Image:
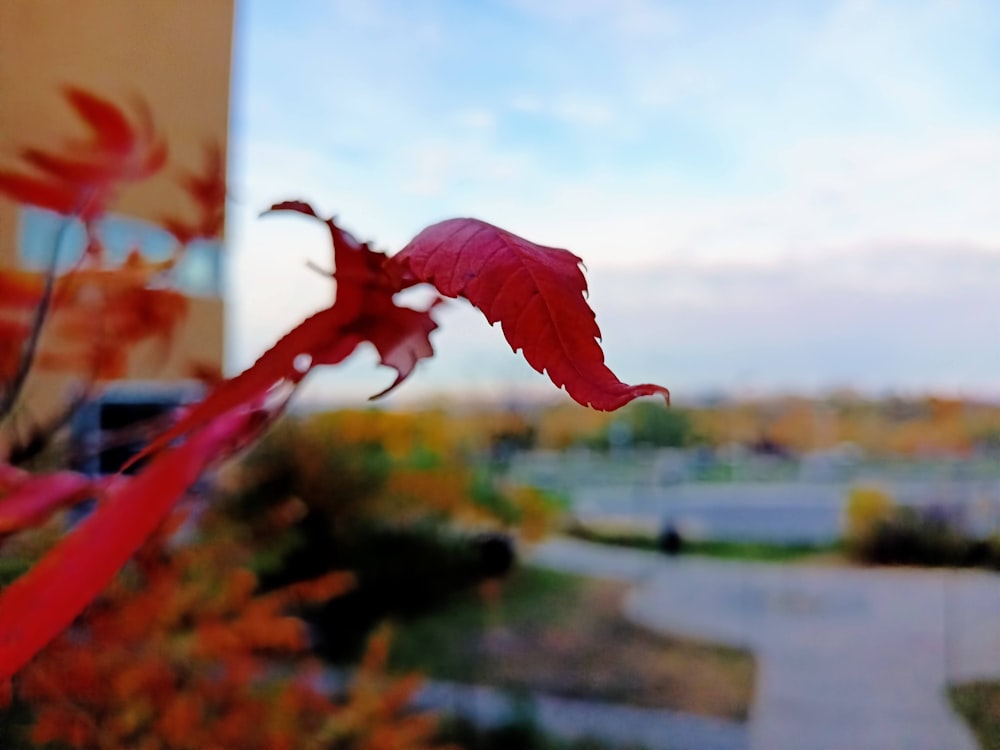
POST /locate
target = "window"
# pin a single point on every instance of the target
(198, 273)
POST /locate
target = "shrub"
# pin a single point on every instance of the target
(910, 537)
(867, 507)
(915, 536)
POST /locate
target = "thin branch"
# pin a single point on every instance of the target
(40, 436)
(13, 389)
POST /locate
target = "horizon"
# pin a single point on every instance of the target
(544, 398)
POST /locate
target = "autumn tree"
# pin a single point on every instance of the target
(97, 310)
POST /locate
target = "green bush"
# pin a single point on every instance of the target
(407, 558)
(646, 424)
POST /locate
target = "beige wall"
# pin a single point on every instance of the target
(175, 55)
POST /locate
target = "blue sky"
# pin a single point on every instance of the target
(768, 196)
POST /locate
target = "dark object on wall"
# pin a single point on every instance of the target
(113, 427)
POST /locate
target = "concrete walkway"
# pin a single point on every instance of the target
(848, 659)
(624, 726)
(568, 719)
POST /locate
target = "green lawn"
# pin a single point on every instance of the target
(749, 551)
(979, 704)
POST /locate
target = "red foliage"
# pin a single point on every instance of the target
(84, 176)
(35, 498)
(183, 652)
(536, 293)
(364, 310)
(207, 190)
(99, 314)
(100, 311)
(365, 296)
(36, 607)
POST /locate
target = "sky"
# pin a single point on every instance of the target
(769, 197)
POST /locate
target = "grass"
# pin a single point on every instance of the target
(979, 704)
(724, 550)
(759, 551)
(564, 635)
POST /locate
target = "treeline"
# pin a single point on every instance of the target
(924, 427)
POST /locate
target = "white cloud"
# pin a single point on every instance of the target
(476, 119)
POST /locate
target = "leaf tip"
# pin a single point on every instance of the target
(651, 389)
(665, 392)
(301, 207)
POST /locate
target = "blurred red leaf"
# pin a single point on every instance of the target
(358, 270)
(276, 366)
(13, 334)
(98, 316)
(40, 604)
(83, 178)
(21, 289)
(11, 476)
(207, 190)
(536, 293)
(36, 191)
(31, 501)
(109, 125)
(365, 293)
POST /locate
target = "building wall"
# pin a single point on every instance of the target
(174, 55)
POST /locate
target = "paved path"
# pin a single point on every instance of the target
(848, 659)
(625, 726)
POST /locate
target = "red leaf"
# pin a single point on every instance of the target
(277, 365)
(364, 311)
(44, 601)
(207, 190)
(535, 292)
(10, 476)
(21, 289)
(402, 338)
(34, 499)
(358, 269)
(365, 294)
(51, 194)
(69, 170)
(109, 124)
(13, 334)
(84, 177)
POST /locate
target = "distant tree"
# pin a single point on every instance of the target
(652, 425)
